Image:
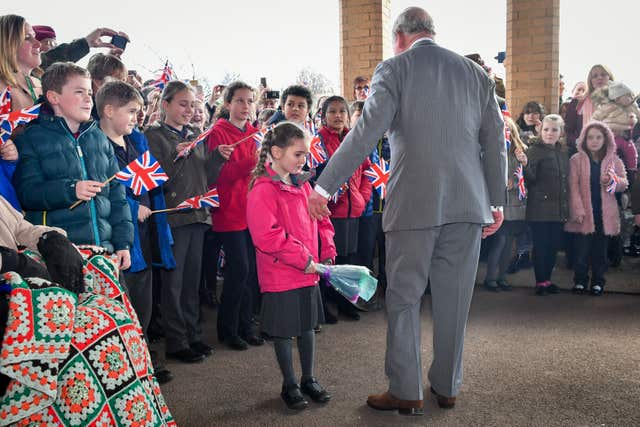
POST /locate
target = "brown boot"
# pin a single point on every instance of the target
(443, 401)
(386, 402)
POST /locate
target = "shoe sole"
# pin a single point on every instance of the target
(415, 412)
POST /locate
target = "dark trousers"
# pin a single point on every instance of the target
(547, 240)
(240, 284)
(501, 248)
(590, 249)
(366, 241)
(210, 254)
(140, 285)
(180, 299)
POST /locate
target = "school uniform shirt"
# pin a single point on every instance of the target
(233, 182)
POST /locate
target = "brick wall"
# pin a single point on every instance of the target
(365, 39)
(532, 53)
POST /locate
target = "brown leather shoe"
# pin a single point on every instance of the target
(386, 402)
(443, 401)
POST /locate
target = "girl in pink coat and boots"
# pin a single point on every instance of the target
(596, 174)
(286, 241)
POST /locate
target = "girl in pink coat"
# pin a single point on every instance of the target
(596, 174)
(287, 239)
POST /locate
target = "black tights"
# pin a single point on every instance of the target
(306, 350)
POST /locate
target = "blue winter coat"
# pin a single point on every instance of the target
(52, 160)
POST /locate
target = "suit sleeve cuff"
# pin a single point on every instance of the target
(322, 191)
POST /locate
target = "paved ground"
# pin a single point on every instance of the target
(529, 361)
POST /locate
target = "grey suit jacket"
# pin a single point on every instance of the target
(446, 133)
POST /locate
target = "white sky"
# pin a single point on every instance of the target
(277, 38)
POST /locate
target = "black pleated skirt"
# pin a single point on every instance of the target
(287, 314)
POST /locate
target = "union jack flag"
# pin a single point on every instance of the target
(317, 155)
(185, 151)
(5, 101)
(611, 187)
(507, 131)
(208, 199)
(310, 126)
(378, 174)
(142, 174)
(167, 75)
(258, 137)
(8, 122)
(343, 189)
(522, 191)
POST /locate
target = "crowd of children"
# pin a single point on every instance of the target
(563, 191)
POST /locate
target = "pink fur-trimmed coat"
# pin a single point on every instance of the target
(580, 189)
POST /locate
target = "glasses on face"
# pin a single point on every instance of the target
(366, 87)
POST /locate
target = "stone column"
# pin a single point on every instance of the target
(365, 39)
(532, 54)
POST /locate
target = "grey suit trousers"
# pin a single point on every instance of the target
(448, 255)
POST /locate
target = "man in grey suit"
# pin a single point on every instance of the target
(448, 162)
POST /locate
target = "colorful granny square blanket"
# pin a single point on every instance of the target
(77, 360)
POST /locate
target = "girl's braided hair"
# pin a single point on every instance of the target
(280, 136)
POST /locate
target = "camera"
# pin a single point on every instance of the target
(272, 94)
(119, 41)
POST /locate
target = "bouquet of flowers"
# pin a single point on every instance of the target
(351, 281)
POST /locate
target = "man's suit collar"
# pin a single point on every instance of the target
(421, 42)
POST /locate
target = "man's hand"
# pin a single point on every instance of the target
(318, 206)
(498, 217)
(636, 219)
(86, 190)
(579, 219)
(9, 152)
(124, 259)
(143, 213)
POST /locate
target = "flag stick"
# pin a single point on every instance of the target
(76, 204)
(166, 210)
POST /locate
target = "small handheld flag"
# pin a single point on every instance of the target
(209, 199)
(378, 174)
(5, 101)
(167, 75)
(9, 121)
(185, 151)
(522, 191)
(611, 187)
(143, 174)
(258, 137)
(343, 189)
(317, 155)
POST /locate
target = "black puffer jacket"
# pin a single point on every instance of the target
(547, 180)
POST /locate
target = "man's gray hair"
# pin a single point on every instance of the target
(414, 20)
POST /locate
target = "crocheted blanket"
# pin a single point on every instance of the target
(77, 360)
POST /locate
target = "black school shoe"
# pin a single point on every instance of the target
(553, 289)
(491, 286)
(236, 343)
(578, 288)
(186, 355)
(293, 397)
(253, 340)
(597, 290)
(504, 285)
(202, 348)
(315, 391)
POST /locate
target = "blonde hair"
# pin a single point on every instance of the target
(605, 69)
(281, 136)
(12, 33)
(558, 120)
(516, 141)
